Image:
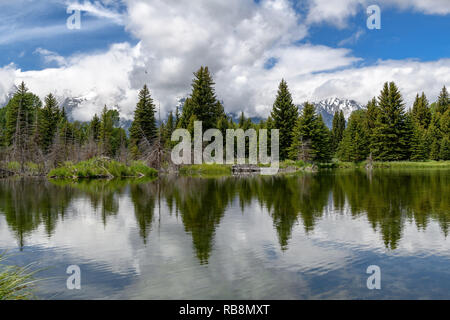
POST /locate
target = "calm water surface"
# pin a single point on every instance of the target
(298, 237)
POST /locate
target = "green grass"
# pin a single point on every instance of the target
(396, 165)
(30, 168)
(299, 164)
(98, 168)
(206, 169)
(212, 170)
(13, 166)
(16, 283)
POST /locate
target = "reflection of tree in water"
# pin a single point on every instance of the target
(27, 204)
(143, 197)
(103, 194)
(201, 204)
(287, 198)
(387, 198)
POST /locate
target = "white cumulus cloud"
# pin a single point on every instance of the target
(236, 39)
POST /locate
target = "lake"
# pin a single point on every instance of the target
(308, 236)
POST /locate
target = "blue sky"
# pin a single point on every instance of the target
(96, 33)
(319, 46)
(403, 35)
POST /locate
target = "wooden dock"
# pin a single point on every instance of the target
(245, 169)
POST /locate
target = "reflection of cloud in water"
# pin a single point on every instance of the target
(305, 237)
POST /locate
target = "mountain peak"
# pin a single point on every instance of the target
(329, 106)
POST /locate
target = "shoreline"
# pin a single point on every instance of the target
(100, 169)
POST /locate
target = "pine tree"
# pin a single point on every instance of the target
(322, 141)
(95, 128)
(284, 115)
(443, 102)
(202, 102)
(445, 149)
(355, 143)
(144, 123)
(337, 131)
(169, 129)
(371, 114)
(419, 145)
(66, 137)
(177, 118)
(445, 131)
(20, 116)
(421, 112)
(310, 137)
(444, 123)
(187, 113)
(434, 136)
(390, 136)
(63, 115)
(21, 125)
(109, 121)
(48, 121)
(3, 126)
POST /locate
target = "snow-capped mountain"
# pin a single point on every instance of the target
(70, 104)
(326, 108)
(329, 106)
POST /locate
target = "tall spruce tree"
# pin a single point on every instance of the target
(48, 121)
(109, 138)
(421, 112)
(169, 129)
(95, 128)
(371, 114)
(202, 102)
(390, 140)
(284, 115)
(434, 136)
(20, 115)
(419, 143)
(337, 131)
(445, 131)
(420, 116)
(322, 141)
(310, 137)
(355, 143)
(144, 122)
(2, 126)
(443, 102)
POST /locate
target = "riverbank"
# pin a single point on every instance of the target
(100, 168)
(287, 166)
(104, 168)
(394, 165)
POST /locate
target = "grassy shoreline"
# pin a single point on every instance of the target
(395, 165)
(206, 170)
(98, 168)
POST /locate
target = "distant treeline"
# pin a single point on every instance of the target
(32, 131)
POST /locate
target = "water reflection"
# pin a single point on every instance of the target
(386, 198)
(304, 236)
